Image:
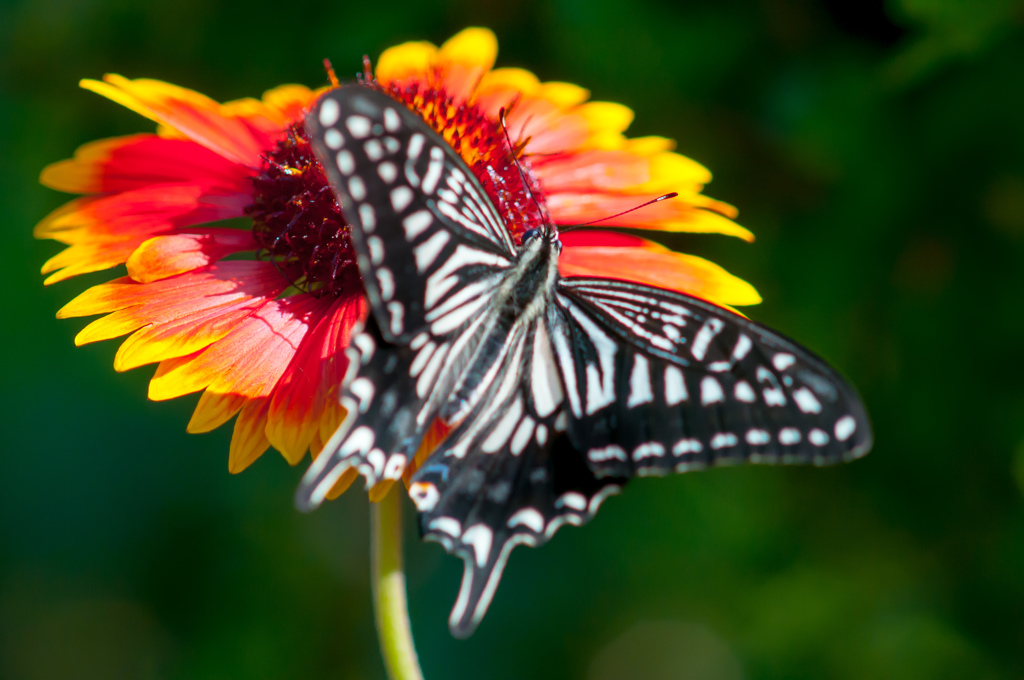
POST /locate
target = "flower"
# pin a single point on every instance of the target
(262, 333)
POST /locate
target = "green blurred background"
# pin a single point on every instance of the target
(877, 153)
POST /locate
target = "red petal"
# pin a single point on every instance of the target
(317, 370)
(137, 161)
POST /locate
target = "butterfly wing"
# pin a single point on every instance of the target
(431, 250)
(506, 476)
(423, 228)
(658, 382)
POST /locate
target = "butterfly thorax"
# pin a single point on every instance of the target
(521, 299)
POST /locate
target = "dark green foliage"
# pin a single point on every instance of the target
(877, 154)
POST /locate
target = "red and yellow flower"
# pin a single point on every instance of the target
(262, 333)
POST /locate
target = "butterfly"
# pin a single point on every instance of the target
(559, 388)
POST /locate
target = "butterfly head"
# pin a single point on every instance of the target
(545, 234)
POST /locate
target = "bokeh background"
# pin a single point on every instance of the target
(877, 153)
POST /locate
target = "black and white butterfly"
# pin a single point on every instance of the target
(468, 327)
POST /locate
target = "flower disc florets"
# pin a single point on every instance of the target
(297, 221)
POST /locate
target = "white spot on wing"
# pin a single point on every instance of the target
(401, 197)
(545, 385)
(845, 427)
(640, 382)
(356, 187)
(724, 440)
(479, 536)
(817, 437)
(705, 335)
(710, 391)
(386, 282)
(789, 436)
(387, 171)
(333, 139)
(358, 126)
(806, 401)
(607, 453)
(744, 392)
(684, 446)
(346, 162)
(783, 360)
(675, 386)
(426, 253)
(529, 518)
(416, 223)
(424, 495)
(572, 500)
(756, 437)
(329, 112)
(648, 450)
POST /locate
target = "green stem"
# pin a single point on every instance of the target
(390, 606)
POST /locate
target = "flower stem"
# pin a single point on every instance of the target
(390, 606)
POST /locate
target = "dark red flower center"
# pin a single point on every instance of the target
(300, 227)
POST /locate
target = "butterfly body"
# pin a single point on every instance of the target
(469, 327)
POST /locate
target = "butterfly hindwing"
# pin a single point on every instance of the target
(506, 477)
(423, 229)
(663, 382)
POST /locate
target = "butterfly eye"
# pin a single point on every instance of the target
(529, 235)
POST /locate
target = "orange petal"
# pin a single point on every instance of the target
(290, 101)
(194, 115)
(318, 368)
(164, 256)
(248, 441)
(137, 161)
(463, 60)
(83, 258)
(660, 268)
(685, 213)
(178, 337)
(213, 410)
(249, 360)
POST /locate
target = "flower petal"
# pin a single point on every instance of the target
(249, 360)
(319, 366)
(620, 171)
(249, 441)
(137, 161)
(408, 60)
(685, 213)
(194, 115)
(660, 268)
(463, 60)
(164, 256)
(213, 410)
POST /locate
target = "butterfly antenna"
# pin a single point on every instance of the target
(331, 75)
(515, 159)
(624, 212)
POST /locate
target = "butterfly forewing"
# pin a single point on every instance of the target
(423, 228)
(665, 382)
